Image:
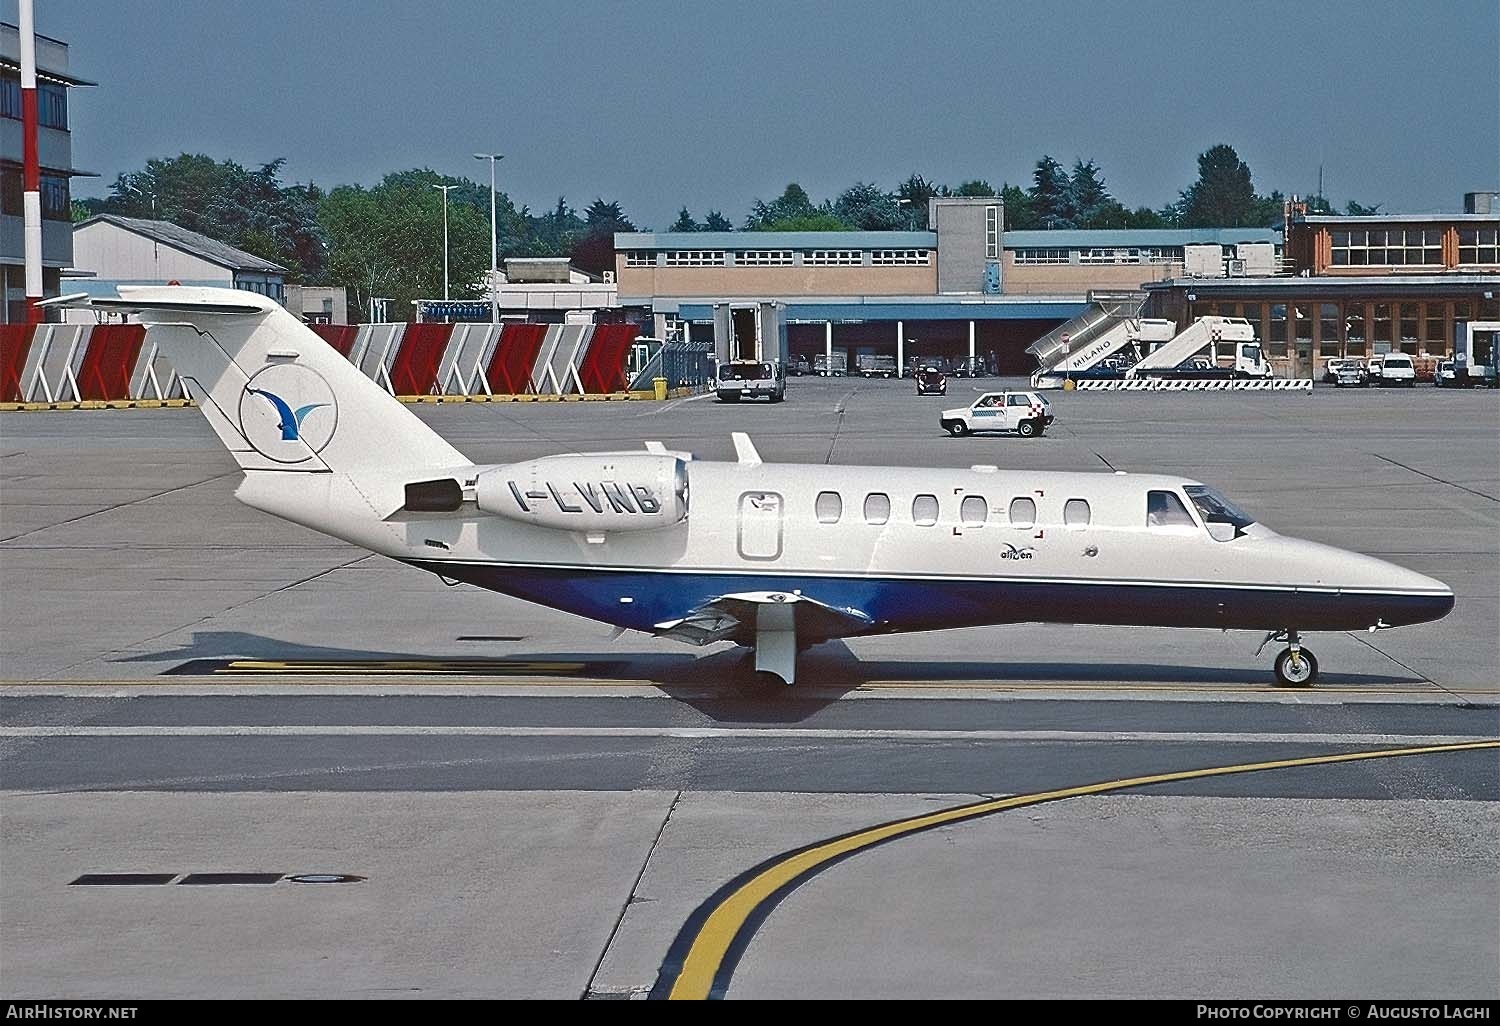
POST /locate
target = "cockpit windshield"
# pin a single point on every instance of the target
(1215, 509)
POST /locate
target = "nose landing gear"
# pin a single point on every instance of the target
(1295, 666)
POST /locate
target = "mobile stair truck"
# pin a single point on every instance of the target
(1474, 356)
(1175, 358)
(750, 345)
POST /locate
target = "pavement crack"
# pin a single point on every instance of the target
(841, 409)
(1431, 477)
(1460, 699)
(117, 505)
(588, 989)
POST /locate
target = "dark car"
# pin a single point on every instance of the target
(972, 367)
(930, 381)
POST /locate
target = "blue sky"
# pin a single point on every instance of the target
(712, 105)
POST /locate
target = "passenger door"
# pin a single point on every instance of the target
(990, 418)
(760, 520)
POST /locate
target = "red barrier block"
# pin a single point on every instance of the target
(112, 352)
(509, 372)
(414, 371)
(15, 343)
(339, 336)
(603, 368)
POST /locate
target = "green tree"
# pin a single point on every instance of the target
(78, 211)
(387, 242)
(793, 203)
(1052, 195)
(867, 207)
(717, 222)
(1354, 209)
(978, 187)
(1093, 206)
(818, 221)
(916, 191)
(1223, 196)
(1020, 210)
(685, 223)
(248, 208)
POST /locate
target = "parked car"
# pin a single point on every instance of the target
(1025, 413)
(1392, 370)
(931, 381)
(1443, 376)
(799, 366)
(1346, 373)
(967, 367)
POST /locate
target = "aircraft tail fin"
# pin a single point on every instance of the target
(277, 395)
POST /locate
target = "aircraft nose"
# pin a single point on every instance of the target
(1415, 597)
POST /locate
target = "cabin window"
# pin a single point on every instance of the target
(924, 510)
(1022, 512)
(973, 511)
(829, 507)
(877, 508)
(1165, 509)
(1076, 513)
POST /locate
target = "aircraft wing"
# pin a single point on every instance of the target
(737, 617)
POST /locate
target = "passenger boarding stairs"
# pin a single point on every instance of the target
(1104, 312)
(1192, 340)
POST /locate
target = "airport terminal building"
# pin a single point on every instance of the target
(1361, 286)
(966, 288)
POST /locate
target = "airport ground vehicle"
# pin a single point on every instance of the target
(1346, 373)
(751, 379)
(1392, 370)
(1475, 346)
(876, 366)
(1025, 413)
(1443, 376)
(970, 367)
(1249, 363)
(799, 366)
(931, 381)
(837, 369)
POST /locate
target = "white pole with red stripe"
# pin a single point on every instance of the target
(32, 168)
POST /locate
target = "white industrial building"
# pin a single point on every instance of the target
(109, 250)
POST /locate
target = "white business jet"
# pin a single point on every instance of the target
(773, 556)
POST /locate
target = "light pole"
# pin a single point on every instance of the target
(494, 238)
(445, 189)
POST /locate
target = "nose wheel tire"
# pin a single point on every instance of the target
(1297, 669)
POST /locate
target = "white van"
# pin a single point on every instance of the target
(1393, 370)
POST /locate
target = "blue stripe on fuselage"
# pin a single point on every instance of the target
(916, 604)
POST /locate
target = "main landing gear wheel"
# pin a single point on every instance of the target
(958, 429)
(1296, 667)
(1026, 429)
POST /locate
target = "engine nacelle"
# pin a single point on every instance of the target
(602, 492)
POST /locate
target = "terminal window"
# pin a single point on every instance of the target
(907, 257)
(1041, 256)
(992, 233)
(1478, 246)
(640, 258)
(764, 257)
(833, 257)
(695, 258)
(1387, 247)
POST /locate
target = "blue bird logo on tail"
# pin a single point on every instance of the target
(291, 420)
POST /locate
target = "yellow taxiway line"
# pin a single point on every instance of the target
(704, 955)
